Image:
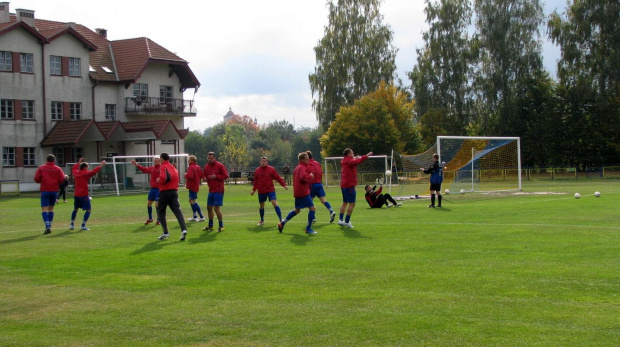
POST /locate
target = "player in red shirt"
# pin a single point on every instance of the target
(316, 186)
(81, 176)
(154, 191)
(301, 191)
(215, 173)
(50, 177)
(168, 180)
(193, 179)
(348, 182)
(264, 175)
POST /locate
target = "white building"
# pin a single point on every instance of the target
(68, 90)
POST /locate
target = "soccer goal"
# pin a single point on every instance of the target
(480, 164)
(127, 178)
(370, 171)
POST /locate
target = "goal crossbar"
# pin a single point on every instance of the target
(117, 160)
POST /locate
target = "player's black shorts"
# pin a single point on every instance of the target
(436, 187)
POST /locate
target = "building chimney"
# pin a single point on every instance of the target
(102, 32)
(4, 12)
(26, 16)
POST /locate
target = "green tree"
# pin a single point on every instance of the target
(196, 144)
(378, 122)
(236, 154)
(589, 78)
(510, 50)
(354, 55)
(441, 78)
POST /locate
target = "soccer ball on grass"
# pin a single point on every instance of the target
(577, 195)
(447, 191)
(597, 194)
(462, 191)
(388, 173)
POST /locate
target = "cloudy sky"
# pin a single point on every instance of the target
(252, 56)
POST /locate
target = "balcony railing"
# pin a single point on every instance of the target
(160, 106)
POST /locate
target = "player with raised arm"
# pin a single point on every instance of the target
(50, 176)
(153, 196)
(376, 200)
(264, 175)
(81, 176)
(316, 186)
(301, 191)
(193, 179)
(348, 182)
(215, 173)
(436, 172)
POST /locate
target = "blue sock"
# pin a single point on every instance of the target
(310, 219)
(73, 214)
(341, 216)
(329, 207)
(150, 209)
(193, 210)
(348, 219)
(221, 223)
(261, 212)
(198, 210)
(45, 216)
(86, 216)
(210, 223)
(50, 217)
(279, 212)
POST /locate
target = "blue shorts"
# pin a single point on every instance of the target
(304, 202)
(48, 198)
(317, 190)
(153, 194)
(268, 196)
(82, 202)
(193, 195)
(215, 199)
(348, 195)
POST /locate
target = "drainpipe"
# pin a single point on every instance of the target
(43, 76)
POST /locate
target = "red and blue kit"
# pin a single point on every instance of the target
(193, 177)
(263, 179)
(349, 171)
(81, 177)
(218, 169)
(49, 176)
(301, 180)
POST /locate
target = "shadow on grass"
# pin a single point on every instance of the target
(153, 246)
(204, 236)
(301, 239)
(150, 227)
(21, 239)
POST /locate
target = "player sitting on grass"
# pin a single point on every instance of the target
(376, 200)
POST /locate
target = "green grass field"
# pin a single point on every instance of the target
(486, 270)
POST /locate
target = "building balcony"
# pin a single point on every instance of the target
(160, 106)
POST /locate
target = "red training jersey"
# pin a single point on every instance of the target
(168, 177)
(193, 177)
(50, 176)
(315, 167)
(301, 180)
(263, 179)
(153, 171)
(81, 177)
(216, 185)
(348, 166)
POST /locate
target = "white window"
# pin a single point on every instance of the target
(6, 61)
(56, 110)
(27, 109)
(29, 156)
(55, 65)
(110, 112)
(59, 153)
(141, 90)
(6, 109)
(74, 67)
(8, 156)
(26, 64)
(75, 110)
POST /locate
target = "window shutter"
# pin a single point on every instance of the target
(16, 62)
(66, 110)
(17, 109)
(64, 66)
(19, 156)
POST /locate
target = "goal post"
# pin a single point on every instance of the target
(368, 172)
(128, 178)
(480, 163)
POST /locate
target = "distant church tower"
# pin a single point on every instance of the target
(229, 115)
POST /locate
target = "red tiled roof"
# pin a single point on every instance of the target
(69, 133)
(127, 59)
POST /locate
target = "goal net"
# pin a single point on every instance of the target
(481, 164)
(370, 171)
(127, 178)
